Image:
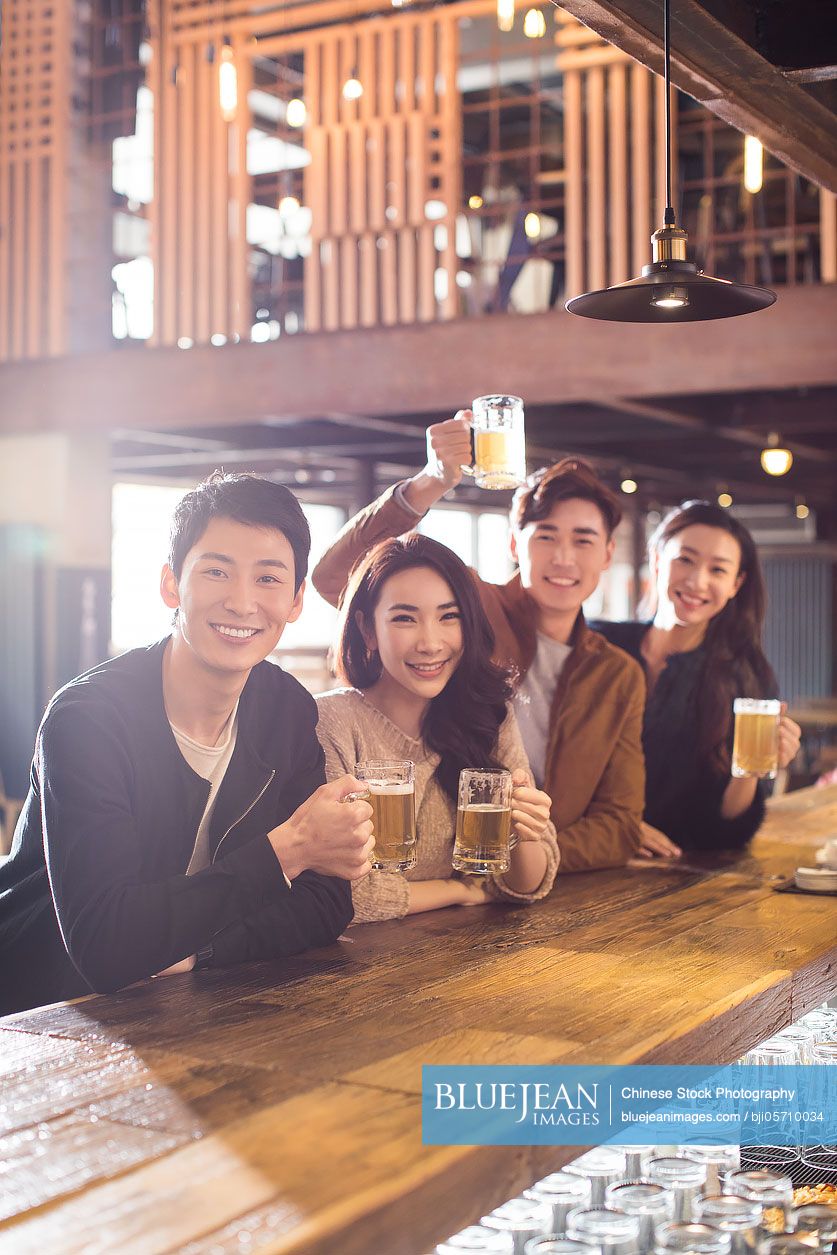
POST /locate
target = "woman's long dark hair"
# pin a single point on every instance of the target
(735, 662)
(461, 724)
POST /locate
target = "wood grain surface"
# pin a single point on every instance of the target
(275, 1107)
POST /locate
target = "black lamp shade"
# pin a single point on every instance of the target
(706, 298)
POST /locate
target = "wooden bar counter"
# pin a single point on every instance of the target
(275, 1108)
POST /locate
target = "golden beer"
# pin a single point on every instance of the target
(391, 794)
(755, 750)
(496, 458)
(394, 825)
(482, 838)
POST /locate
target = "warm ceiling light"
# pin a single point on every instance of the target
(296, 114)
(628, 486)
(475, 202)
(532, 226)
(287, 206)
(352, 88)
(227, 84)
(505, 15)
(753, 164)
(725, 500)
(802, 510)
(534, 24)
(774, 459)
(658, 294)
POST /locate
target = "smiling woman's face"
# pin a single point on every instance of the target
(697, 573)
(417, 630)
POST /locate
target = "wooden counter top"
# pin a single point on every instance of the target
(275, 1108)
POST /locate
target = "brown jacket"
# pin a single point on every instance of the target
(595, 772)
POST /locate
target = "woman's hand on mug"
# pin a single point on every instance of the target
(449, 449)
(790, 735)
(530, 808)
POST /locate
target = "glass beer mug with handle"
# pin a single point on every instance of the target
(483, 822)
(499, 442)
(390, 791)
(755, 750)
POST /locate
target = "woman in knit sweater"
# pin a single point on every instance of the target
(415, 646)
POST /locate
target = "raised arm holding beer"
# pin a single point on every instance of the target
(578, 700)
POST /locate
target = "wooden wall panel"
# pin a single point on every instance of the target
(35, 104)
(828, 237)
(375, 165)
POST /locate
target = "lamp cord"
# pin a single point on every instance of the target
(669, 217)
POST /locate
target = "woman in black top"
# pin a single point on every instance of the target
(701, 650)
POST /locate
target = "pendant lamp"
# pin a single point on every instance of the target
(670, 289)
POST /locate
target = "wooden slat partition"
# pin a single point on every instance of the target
(640, 167)
(596, 215)
(388, 154)
(574, 159)
(618, 201)
(35, 92)
(828, 237)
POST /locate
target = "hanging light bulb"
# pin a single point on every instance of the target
(725, 500)
(534, 24)
(296, 113)
(475, 202)
(288, 206)
(753, 164)
(628, 486)
(505, 15)
(227, 83)
(802, 510)
(352, 88)
(532, 226)
(670, 289)
(776, 460)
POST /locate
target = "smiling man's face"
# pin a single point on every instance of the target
(562, 557)
(234, 595)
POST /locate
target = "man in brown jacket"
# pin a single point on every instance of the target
(579, 701)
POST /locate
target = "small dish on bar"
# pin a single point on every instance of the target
(817, 879)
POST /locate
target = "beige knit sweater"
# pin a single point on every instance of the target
(351, 729)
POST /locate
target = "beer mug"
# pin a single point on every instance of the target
(391, 793)
(483, 822)
(499, 442)
(755, 750)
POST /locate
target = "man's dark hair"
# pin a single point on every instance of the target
(249, 499)
(569, 479)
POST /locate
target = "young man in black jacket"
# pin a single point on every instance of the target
(178, 814)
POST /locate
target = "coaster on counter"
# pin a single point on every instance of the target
(790, 886)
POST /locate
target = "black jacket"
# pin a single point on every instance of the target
(94, 895)
(683, 794)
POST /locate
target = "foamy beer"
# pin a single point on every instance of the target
(755, 750)
(499, 442)
(483, 822)
(392, 796)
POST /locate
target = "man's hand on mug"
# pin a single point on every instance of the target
(327, 834)
(449, 449)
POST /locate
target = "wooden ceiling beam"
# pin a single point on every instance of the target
(712, 64)
(426, 369)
